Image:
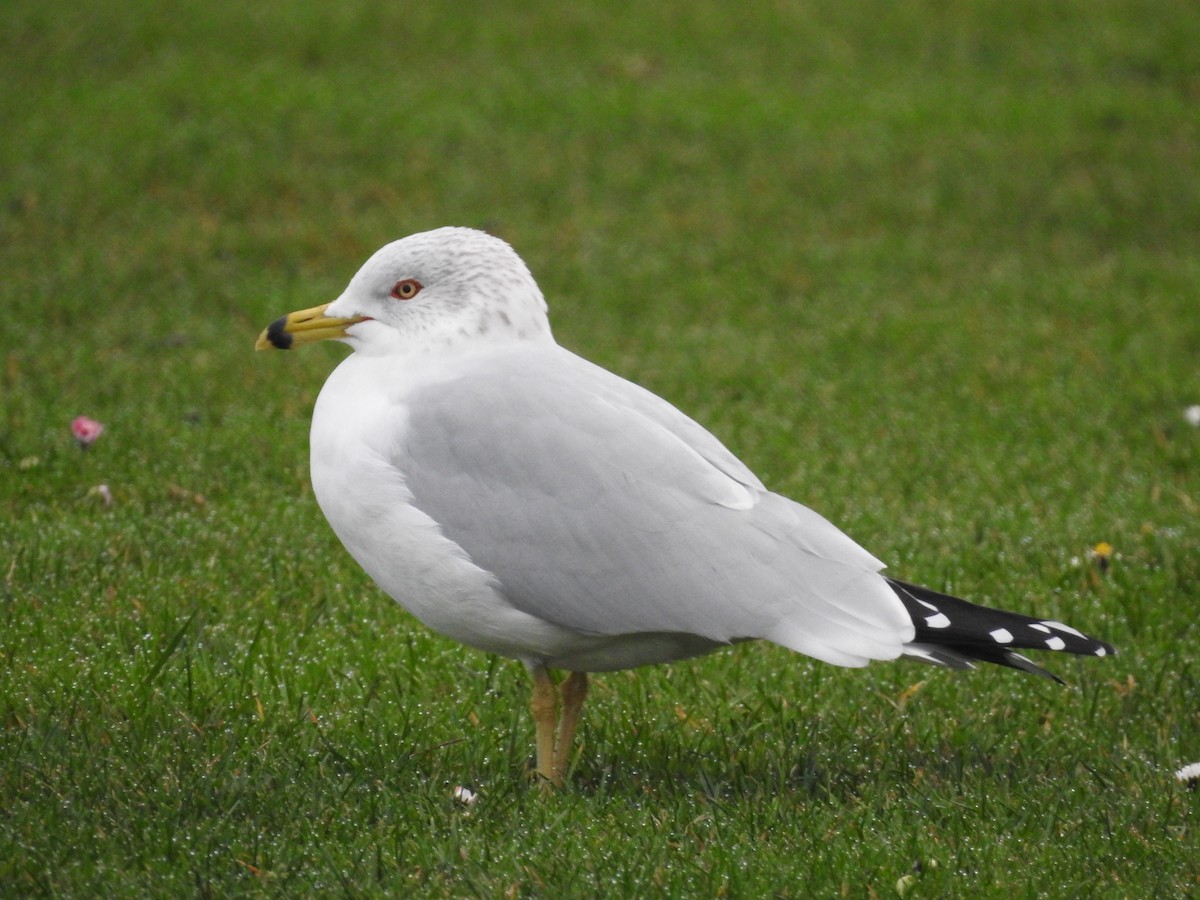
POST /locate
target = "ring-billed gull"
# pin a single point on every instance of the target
(526, 502)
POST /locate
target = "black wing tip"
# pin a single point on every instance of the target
(974, 632)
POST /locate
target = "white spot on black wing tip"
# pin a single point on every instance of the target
(1037, 626)
(1065, 629)
(1001, 636)
(1055, 643)
(938, 621)
(1101, 651)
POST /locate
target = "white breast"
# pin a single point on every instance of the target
(359, 417)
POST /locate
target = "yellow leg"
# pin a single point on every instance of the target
(545, 711)
(574, 692)
(554, 755)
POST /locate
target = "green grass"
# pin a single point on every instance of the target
(931, 268)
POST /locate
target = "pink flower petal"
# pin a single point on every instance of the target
(86, 430)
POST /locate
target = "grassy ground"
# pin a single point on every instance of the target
(930, 267)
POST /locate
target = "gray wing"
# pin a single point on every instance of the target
(600, 507)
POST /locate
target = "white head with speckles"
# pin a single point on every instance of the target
(440, 289)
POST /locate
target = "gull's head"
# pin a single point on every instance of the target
(433, 290)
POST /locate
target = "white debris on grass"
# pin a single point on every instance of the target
(1190, 774)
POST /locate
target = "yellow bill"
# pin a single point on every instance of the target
(304, 327)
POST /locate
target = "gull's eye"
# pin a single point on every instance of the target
(406, 289)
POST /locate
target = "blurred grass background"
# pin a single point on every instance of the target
(930, 268)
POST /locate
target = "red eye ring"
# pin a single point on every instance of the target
(406, 289)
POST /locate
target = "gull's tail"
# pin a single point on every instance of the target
(955, 633)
